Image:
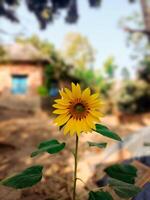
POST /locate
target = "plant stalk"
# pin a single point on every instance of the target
(75, 168)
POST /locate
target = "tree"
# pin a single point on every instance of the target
(139, 37)
(110, 67)
(144, 70)
(45, 10)
(145, 5)
(78, 51)
(44, 46)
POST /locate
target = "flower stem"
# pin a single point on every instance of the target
(75, 168)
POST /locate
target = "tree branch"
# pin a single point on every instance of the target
(130, 30)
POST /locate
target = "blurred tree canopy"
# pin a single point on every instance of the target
(99, 80)
(110, 67)
(44, 46)
(142, 23)
(78, 51)
(46, 10)
(144, 70)
(134, 97)
(136, 39)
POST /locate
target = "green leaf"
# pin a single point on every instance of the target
(50, 146)
(103, 130)
(27, 178)
(122, 189)
(100, 145)
(123, 172)
(147, 144)
(99, 195)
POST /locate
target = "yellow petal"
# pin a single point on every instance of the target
(64, 95)
(62, 119)
(72, 127)
(94, 96)
(67, 127)
(91, 121)
(96, 101)
(85, 127)
(59, 106)
(78, 127)
(94, 104)
(86, 94)
(69, 93)
(62, 101)
(60, 111)
(73, 89)
(96, 114)
(71, 124)
(76, 91)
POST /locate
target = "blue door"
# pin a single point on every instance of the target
(19, 84)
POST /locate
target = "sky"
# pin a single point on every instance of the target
(100, 26)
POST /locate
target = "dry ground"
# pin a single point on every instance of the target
(19, 136)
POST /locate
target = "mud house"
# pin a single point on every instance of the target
(21, 70)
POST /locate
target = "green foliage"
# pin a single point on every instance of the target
(99, 195)
(106, 87)
(147, 144)
(122, 189)
(49, 75)
(144, 70)
(103, 130)
(50, 146)
(46, 11)
(42, 90)
(99, 145)
(134, 97)
(56, 70)
(95, 80)
(125, 173)
(27, 178)
(100, 81)
(44, 46)
(78, 51)
(89, 78)
(110, 67)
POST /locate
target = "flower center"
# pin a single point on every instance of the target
(79, 107)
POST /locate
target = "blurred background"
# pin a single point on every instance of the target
(44, 46)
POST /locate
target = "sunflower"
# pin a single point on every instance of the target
(78, 111)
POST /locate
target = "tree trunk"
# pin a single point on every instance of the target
(146, 16)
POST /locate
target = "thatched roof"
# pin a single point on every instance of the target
(22, 53)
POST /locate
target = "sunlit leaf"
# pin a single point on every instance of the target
(27, 178)
(50, 146)
(103, 130)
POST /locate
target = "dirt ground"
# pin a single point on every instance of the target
(20, 133)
